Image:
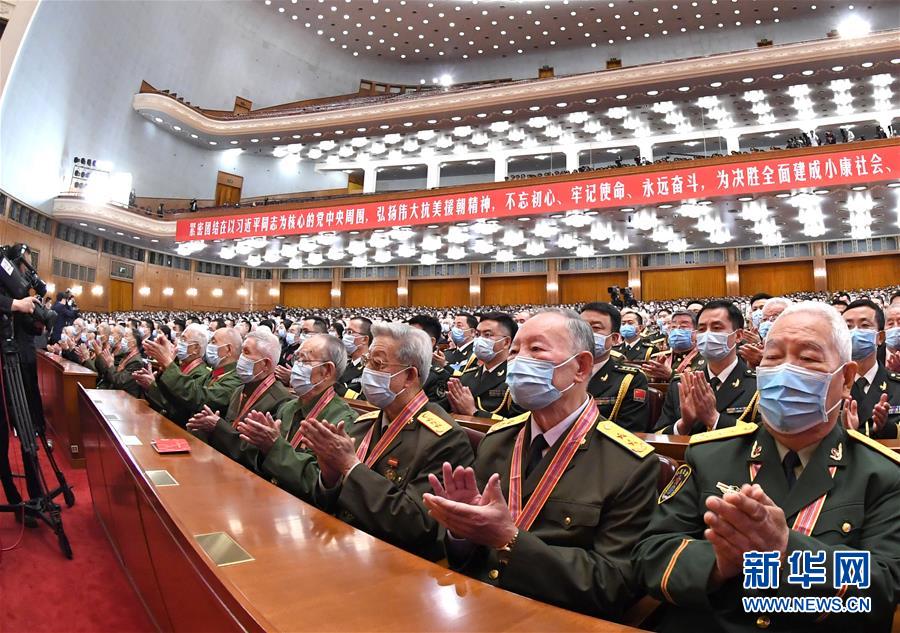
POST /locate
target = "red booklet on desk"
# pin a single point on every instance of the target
(171, 445)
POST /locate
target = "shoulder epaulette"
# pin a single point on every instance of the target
(616, 354)
(721, 434)
(371, 415)
(894, 376)
(351, 395)
(750, 372)
(658, 341)
(627, 369)
(624, 438)
(508, 422)
(874, 445)
(435, 423)
(665, 352)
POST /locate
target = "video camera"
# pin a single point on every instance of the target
(18, 278)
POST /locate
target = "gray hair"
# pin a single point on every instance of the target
(267, 343)
(199, 336)
(840, 334)
(580, 333)
(784, 302)
(334, 352)
(414, 345)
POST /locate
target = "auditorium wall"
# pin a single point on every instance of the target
(682, 283)
(777, 277)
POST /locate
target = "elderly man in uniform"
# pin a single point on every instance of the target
(876, 390)
(481, 389)
(282, 455)
(115, 367)
(260, 391)
(722, 392)
(356, 339)
(557, 497)
(214, 388)
(621, 391)
(682, 353)
(374, 471)
(799, 483)
(181, 367)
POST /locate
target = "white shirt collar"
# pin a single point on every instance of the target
(557, 431)
(599, 366)
(725, 373)
(463, 347)
(869, 375)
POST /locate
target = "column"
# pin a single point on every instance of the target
(634, 275)
(820, 270)
(474, 284)
(732, 273)
(646, 151)
(552, 281)
(336, 290)
(572, 160)
(732, 142)
(501, 168)
(403, 287)
(369, 177)
(433, 177)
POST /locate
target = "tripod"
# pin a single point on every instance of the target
(41, 506)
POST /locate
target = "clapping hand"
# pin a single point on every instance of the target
(260, 429)
(144, 377)
(203, 420)
(460, 398)
(334, 449)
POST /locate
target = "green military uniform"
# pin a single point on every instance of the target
(170, 393)
(225, 438)
(677, 358)
(622, 393)
(736, 399)
(577, 552)
(348, 385)
(295, 469)
(492, 397)
(435, 386)
(386, 499)
(860, 512)
(112, 378)
(460, 359)
(884, 382)
(641, 350)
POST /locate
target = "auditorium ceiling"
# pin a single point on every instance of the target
(458, 31)
(835, 213)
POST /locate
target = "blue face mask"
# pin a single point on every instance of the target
(458, 335)
(212, 355)
(680, 339)
(599, 344)
(376, 387)
(756, 318)
(628, 331)
(349, 341)
(793, 399)
(289, 338)
(764, 328)
(892, 338)
(245, 369)
(863, 343)
(714, 345)
(483, 348)
(123, 346)
(181, 350)
(301, 378)
(530, 382)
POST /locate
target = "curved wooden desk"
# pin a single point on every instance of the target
(309, 571)
(58, 381)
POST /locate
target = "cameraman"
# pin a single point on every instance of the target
(24, 330)
(67, 310)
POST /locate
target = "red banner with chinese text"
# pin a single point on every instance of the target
(633, 190)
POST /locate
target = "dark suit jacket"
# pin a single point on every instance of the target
(885, 382)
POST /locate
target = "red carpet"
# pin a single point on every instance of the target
(42, 591)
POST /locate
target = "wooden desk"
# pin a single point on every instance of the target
(58, 381)
(310, 571)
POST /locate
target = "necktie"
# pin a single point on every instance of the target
(715, 383)
(535, 453)
(859, 388)
(789, 463)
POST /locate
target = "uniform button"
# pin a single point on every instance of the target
(567, 521)
(493, 574)
(846, 527)
(763, 622)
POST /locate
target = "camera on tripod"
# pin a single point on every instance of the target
(621, 298)
(18, 278)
